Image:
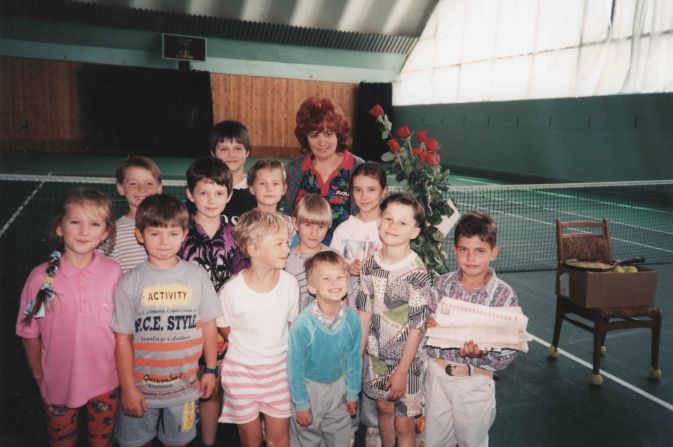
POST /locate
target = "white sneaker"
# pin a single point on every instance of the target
(372, 438)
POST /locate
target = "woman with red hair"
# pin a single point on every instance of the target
(326, 165)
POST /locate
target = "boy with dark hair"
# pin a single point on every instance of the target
(324, 361)
(460, 392)
(137, 177)
(210, 243)
(392, 302)
(164, 319)
(210, 239)
(230, 142)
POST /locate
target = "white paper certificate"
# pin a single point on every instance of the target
(492, 328)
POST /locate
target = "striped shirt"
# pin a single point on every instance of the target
(127, 251)
(164, 310)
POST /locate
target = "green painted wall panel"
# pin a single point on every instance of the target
(607, 138)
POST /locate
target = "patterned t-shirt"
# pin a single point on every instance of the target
(164, 310)
(219, 255)
(397, 297)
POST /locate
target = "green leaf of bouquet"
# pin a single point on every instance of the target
(435, 219)
(388, 156)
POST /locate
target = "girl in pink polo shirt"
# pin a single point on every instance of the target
(64, 322)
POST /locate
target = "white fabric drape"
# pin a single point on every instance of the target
(498, 50)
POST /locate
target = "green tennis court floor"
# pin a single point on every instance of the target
(541, 402)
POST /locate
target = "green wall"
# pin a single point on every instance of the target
(67, 41)
(605, 138)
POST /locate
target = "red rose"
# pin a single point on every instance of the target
(417, 151)
(404, 132)
(376, 111)
(432, 144)
(393, 145)
(432, 159)
(422, 136)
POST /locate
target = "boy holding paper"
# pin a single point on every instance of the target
(459, 387)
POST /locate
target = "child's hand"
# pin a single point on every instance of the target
(352, 407)
(471, 349)
(431, 323)
(304, 418)
(397, 385)
(356, 265)
(222, 345)
(133, 403)
(208, 385)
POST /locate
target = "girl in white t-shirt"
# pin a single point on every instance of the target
(358, 237)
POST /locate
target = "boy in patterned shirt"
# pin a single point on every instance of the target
(392, 300)
(460, 392)
(210, 243)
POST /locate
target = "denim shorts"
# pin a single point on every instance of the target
(172, 425)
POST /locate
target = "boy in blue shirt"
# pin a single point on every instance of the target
(324, 362)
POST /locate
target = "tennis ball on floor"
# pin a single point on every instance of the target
(630, 269)
(619, 269)
(655, 373)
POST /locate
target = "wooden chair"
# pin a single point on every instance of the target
(596, 246)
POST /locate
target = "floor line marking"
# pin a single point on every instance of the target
(625, 384)
(18, 211)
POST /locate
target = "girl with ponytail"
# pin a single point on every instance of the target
(64, 321)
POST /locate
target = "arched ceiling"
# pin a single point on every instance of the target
(383, 26)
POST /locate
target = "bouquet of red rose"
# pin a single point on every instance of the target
(417, 167)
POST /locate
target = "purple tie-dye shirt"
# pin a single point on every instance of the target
(219, 255)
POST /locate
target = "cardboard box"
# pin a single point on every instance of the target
(607, 289)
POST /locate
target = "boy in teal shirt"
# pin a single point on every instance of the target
(324, 362)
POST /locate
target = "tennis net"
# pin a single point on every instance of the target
(640, 216)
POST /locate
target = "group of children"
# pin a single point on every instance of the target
(240, 314)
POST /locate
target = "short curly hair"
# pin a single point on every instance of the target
(317, 113)
(475, 223)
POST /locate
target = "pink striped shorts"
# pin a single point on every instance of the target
(253, 389)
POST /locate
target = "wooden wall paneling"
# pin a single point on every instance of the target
(44, 96)
(267, 106)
